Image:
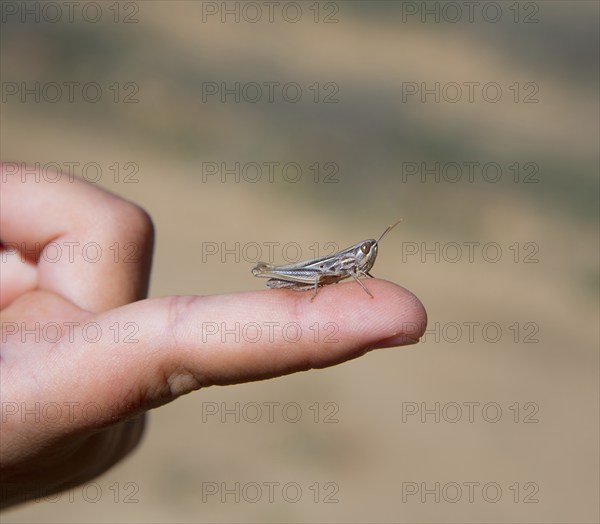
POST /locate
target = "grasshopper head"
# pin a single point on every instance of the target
(367, 251)
(366, 255)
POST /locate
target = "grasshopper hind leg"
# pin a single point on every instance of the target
(276, 283)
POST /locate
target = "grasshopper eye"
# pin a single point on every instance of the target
(365, 248)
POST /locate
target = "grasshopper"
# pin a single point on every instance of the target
(355, 261)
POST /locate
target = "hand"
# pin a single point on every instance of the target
(83, 356)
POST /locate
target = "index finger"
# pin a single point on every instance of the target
(170, 346)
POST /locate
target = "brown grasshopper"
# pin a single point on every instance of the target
(355, 261)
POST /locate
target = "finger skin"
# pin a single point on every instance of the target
(17, 276)
(88, 245)
(170, 346)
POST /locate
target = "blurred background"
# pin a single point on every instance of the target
(286, 130)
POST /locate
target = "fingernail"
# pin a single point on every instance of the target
(394, 341)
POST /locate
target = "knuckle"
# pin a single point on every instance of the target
(131, 221)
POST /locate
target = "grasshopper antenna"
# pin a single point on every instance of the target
(387, 230)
